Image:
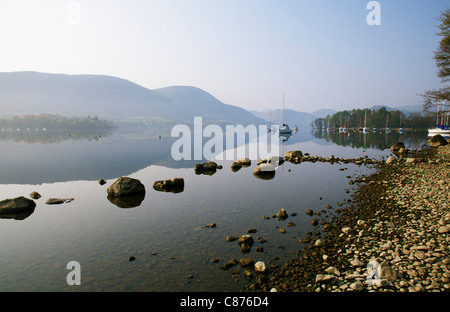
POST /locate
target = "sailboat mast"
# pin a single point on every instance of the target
(282, 113)
(365, 118)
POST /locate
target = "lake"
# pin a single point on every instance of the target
(166, 233)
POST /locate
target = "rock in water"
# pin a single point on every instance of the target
(126, 186)
(208, 168)
(264, 171)
(245, 162)
(174, 185)
(57, 201)
(282, 214)
(293, 156)
(17, 208)
(246, 239)
(437, 140)
(35, 195)
(235, 166)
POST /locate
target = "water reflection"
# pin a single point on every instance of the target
(379, 140)
(41, 136)
(127, 201)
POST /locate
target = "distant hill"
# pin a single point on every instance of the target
(191, 102)
(405, 109)
(322, 113)
(109, 98)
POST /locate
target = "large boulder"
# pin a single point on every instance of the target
(17, 208)
(174, 185)
(437, 140)
(126, 186)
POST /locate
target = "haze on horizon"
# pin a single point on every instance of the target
(247, 53)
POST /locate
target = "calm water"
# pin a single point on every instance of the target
(166, 233)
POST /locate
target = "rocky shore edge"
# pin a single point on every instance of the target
(394, 235)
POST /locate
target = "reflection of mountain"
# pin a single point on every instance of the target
(111, 98)
(107, 157)
(118, 154)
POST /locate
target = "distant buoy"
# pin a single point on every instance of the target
(159, 137)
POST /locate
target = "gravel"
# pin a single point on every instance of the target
(394, 236)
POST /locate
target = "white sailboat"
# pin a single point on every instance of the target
(284, 128)
(365, 129)
(387, 129)
(442, 126)
(401, 130)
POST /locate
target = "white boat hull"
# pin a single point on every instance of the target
(435, 131)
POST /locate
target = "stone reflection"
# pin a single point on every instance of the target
(130, 201)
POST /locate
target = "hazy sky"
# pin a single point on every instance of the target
(248, 53)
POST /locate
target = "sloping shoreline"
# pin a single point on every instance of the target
(394, 236)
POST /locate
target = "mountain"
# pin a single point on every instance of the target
(291, 117)
(191, 102)
(110, 98)
(322, 113)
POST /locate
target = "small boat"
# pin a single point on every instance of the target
(401, 130)
(284, 128)
(442, 120)
(387, 129)
(442, 130)
(365, 129)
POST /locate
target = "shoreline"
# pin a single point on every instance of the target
(393, 236)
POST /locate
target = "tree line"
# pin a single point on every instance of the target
(54, 122)
(374, 118)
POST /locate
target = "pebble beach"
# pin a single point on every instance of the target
(392, 236)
